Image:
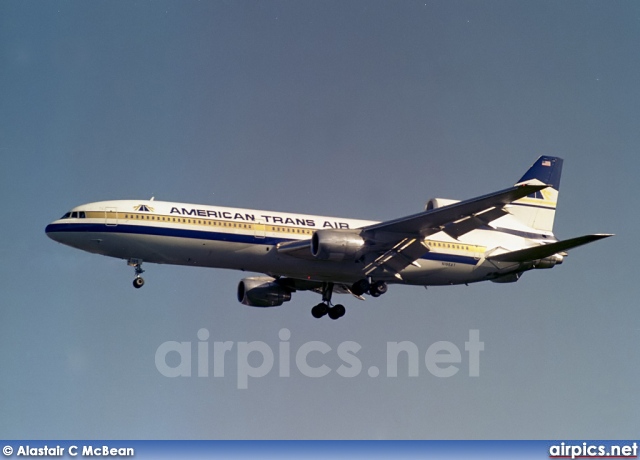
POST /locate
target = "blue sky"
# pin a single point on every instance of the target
(358, 109)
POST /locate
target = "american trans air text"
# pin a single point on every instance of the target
(302, 222)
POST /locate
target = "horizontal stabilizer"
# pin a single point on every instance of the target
(546, 250)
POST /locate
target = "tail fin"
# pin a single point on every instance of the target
(538, 210)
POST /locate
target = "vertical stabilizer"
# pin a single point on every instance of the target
(538, 210)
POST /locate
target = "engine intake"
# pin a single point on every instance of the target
(336, 245)
(262, 291)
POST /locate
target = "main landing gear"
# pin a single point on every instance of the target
(364, 286)
(375, 289)
(138, 281)
(334, 312)
(325, 307)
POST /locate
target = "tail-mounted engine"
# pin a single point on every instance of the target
(549, 262)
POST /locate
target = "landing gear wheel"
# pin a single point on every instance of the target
(138, 282)
(324, 307)
(360, 287)
(337, 311)
(378, 288)
(319, 310)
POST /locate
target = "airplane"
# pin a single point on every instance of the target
(495, 237)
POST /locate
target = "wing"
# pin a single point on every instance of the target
(400, 256)
(406, 235)
(459, 213)
(395, 244)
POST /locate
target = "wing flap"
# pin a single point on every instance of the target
(398, 257)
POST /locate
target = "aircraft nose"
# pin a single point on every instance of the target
(51, 233)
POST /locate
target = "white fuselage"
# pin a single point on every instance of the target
(246, 239)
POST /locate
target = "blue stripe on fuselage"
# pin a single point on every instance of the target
(211, 236)
(438, 256)
(162, 231)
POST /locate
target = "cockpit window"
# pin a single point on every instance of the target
(75, 215)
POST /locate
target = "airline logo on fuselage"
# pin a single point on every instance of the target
(143, 208)
(246, 217)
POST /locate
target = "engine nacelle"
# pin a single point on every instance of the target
(336, 245)
(510, 278)
(262, 291)
(435, 203)
(549, 262)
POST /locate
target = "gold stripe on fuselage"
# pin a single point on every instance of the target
(446, 246)
(125, 217)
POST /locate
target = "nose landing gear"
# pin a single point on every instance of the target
(138, 281)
